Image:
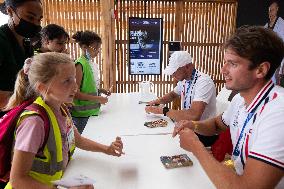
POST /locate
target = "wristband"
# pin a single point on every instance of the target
(165, 110)
(195, 124)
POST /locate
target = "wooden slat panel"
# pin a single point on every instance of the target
(201, 25)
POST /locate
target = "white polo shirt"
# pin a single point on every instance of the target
(263, 135)
(200, 88)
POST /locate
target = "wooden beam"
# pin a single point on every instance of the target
(108, 38)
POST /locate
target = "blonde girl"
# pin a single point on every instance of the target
(49, 78)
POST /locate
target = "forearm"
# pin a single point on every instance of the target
(221, 176)
(4, 98)
(209, 127)
(27, 182)
(84, 96)
(89, 145)
(178, 115)
(169, 97)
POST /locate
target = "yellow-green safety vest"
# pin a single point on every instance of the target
(49, 167)
(85, 108)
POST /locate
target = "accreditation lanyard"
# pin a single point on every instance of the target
(186, 93)
(236, 151)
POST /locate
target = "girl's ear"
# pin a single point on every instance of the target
(40, 87)
(262, 70)
(84, 47)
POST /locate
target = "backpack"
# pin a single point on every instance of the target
(7, 128)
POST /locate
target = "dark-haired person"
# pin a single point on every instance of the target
(53, 39)
(87, 100)
(276, 23)
(254, 117)
(23, 23)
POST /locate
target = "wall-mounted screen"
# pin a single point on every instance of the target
(145, 46)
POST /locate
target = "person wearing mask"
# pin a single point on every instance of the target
(24, 23)
(87, 101)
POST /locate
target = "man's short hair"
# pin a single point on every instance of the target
(258, 45)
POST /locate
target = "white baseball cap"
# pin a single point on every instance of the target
(178, 59)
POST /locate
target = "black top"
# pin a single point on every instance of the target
(12, 57)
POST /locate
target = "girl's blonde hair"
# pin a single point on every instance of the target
(42, 69)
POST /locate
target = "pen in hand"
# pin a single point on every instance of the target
(153, 105)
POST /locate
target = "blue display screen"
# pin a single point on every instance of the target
(145, 46)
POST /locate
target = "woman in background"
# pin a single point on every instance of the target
(23, 23)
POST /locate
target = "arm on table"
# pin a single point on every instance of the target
(115, 148)
(169, 97)
(207, 127)
(193, 113)
(257, 174)
(83, 96)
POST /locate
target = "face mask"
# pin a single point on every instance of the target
(26, 29)
(88, 55)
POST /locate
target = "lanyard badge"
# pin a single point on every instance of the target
(186, 92)
(70, 133)
(236, 151)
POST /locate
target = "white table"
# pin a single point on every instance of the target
(140, 167)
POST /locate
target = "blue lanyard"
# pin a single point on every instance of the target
(188, 87)
(236, 151)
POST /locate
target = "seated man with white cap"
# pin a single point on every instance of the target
(196, 89)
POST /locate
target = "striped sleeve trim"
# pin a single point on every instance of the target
(266, 159)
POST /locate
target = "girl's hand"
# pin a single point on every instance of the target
(115, 148)
(106, 92)
(102, 100)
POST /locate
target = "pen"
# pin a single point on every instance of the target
(153, 105)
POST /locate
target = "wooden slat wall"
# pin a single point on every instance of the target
(201, 25)
(74, 15)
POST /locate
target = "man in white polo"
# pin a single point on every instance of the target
(196, 89)
(255, 116)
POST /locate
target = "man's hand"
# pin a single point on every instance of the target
(153, 102)
(182, 125)
(188, 140)
(154, 109)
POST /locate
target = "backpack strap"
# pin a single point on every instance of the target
(43, 114)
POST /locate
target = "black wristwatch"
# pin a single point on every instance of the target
(165, 110)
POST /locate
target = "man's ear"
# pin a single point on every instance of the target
(262, 70)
